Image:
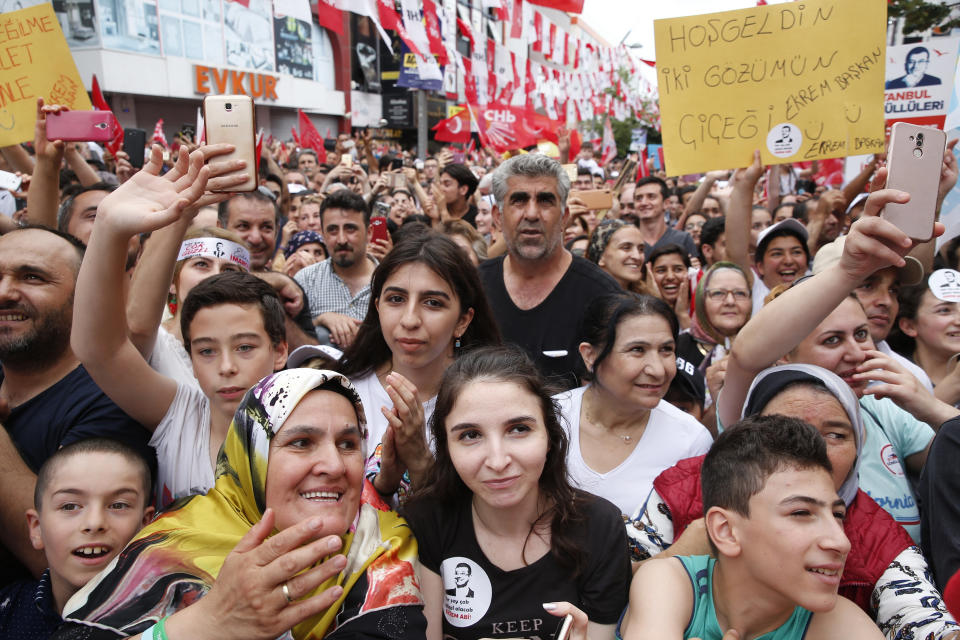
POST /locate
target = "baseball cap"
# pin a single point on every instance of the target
(301, 354)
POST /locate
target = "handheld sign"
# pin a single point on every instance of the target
(799, 81)
(34, 61)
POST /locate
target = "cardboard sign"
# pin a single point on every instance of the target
(919, 81)
(34, 61)
(799, 81)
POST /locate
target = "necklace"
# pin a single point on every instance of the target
(627, 439)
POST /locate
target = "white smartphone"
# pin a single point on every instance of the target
(913, 165)
(565, 627)
(9, 181)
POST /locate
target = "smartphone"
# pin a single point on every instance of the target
(571, 170)
(383, 209)
(134, 145)
(396, 181)
(595, 199)
(378, 227)
(81, 126)
(565, 627)
(9, 181)
(346, 160)
(913, 165)
(231, 119)
(396, 163)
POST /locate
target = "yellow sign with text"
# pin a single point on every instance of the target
(35, 61)
(799, 81)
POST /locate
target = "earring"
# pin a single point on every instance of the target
(456, 343)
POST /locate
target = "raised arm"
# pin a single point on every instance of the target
(154, 271)
(739, 213)
(43, 198)
(146, 202)
(872, 244)
(703, 190)
(18, 158)
(86, 174)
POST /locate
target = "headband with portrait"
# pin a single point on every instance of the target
(215, 248)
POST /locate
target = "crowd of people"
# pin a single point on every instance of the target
(470, 395)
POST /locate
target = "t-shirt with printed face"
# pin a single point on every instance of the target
(480, 600)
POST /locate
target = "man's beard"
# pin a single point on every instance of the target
(43, 344)
(343, 259)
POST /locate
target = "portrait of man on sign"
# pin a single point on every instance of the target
(915, 65)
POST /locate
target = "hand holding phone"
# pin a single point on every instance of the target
(81, 126)
(913, 165)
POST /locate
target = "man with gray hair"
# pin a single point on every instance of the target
(539, 290)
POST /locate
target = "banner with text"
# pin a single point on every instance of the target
(798, 81)
(35, 61)
(919, 82)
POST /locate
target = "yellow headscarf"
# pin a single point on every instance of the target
(174, 561)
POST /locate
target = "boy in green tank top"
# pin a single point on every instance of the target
(774, 522)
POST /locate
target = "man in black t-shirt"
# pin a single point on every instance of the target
(51, 398)
(539, 290)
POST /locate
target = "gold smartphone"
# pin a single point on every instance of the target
(594, 199)
(231, 119)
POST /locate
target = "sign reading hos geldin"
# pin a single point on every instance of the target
(220, 81)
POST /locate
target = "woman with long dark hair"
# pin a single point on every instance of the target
(502, 533)
(427, 305)
(622, 432)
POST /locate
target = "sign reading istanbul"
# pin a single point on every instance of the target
(799, 81)
(919, 82)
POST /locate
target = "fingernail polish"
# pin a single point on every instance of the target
(549, 606)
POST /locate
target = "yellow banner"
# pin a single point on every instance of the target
(799, 81)
(34, 61)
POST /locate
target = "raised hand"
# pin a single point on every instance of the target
(148, 201)
(261, 588)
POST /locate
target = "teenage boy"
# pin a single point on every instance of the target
(775, 524)
(81, 521)
(233, 328)
(454, 193)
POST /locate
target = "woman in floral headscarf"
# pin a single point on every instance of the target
(342, 562)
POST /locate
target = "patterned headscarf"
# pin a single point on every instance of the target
(175, 560)
(301, 238)
(600, 237)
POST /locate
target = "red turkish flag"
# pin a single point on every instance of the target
(390, 19)
(516, 19)
(433, 31)
(329, 17)
(571, 6)
(310, 137)
(100, 104)
(537, 31)
(469, 82)
(453, 129)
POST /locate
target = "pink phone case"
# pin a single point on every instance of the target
(81, 126)
(913, 165)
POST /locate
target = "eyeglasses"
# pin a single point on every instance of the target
(719, 295)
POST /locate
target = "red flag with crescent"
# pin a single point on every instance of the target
(453, 129)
